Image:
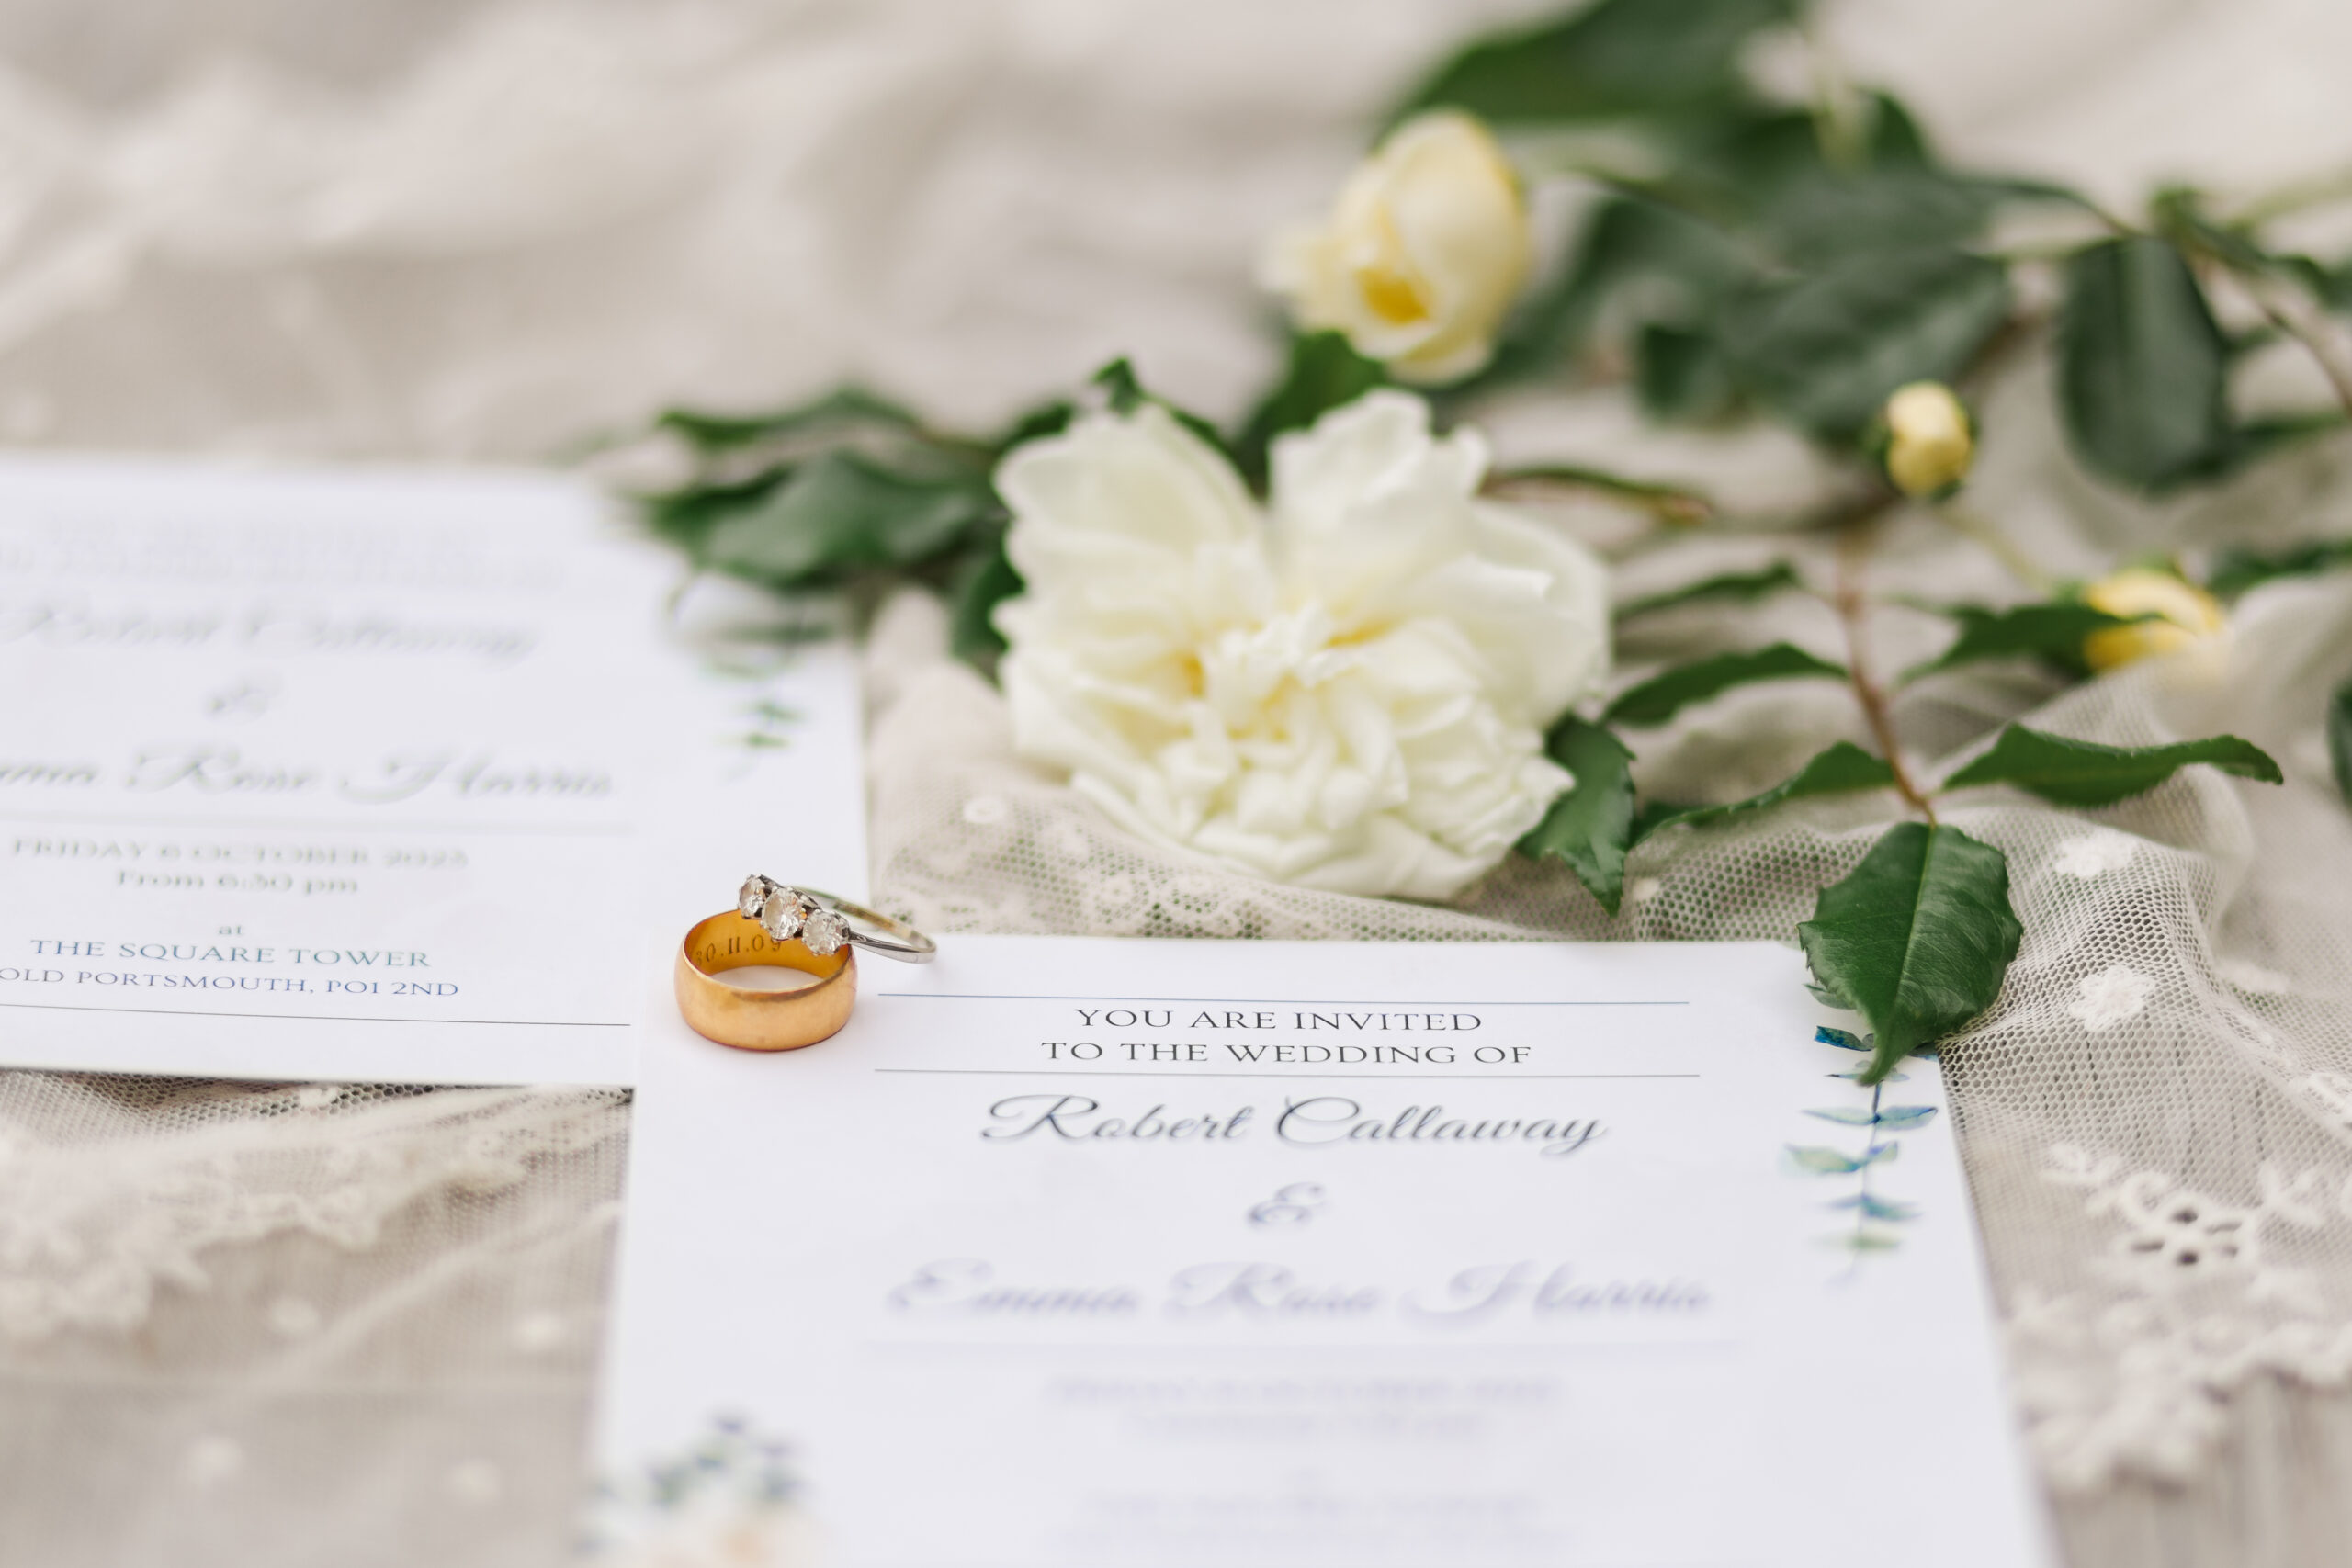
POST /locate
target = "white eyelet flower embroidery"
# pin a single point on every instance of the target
(2248, 977)
(2093, 853)
(2106, 998)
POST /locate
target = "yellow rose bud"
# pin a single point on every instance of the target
(1422, 254)
(1929, 445)
(2189, 614)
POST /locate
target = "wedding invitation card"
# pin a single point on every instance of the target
(1075, 1251)
(348, 774)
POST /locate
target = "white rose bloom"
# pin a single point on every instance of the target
(1347, 691)
(1422, 254)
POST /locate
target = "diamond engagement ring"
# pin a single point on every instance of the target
(822, 922)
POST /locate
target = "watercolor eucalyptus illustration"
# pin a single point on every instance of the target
(1877, 1218)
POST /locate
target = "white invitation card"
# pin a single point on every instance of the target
(1087, 1251)
(349, 774)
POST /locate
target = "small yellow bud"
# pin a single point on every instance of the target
(1930, 445)
(2189, 614)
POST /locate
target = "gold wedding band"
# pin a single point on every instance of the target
(761, 1020)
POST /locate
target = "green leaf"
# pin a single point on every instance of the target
(1847, 1115)
(1740, 587)
(841, 514)
(1658, 699)
(1616, 58)
(2238, 570)
(985, 578)
(2053, 632)
(2179, 218)
(2333, 284)
(2084, 772)
(1668, 503)
(1681, 375)
(1917, 938)
(1036, 424)
(1325, 373)
(1895, 136)
(1124, 392)
(842, 408)
(2179, 215)
(1817, 1161)
(1826, 214)
(2142, 366)
(1672, 267)
(1825, 350)
(2339, 738)
(1840, 769)
(1649, 814)
(1746, 166)
(1590, 826)
(1870, 1241)
(687, 516)
(1843, 1039)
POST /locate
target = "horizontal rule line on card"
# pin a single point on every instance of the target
(1383, 1347)
(318, 1017)
(330, 825)
(1098, 1072)
(1249, 1002)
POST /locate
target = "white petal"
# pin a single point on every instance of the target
(1378, 445)
(1138, 492)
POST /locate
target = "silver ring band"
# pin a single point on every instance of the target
(890, 938)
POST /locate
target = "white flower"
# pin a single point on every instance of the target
(1422, 255)
(2095, 853)
(2104, 1000)
(1348, 693)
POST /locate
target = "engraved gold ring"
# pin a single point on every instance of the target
(789, 928)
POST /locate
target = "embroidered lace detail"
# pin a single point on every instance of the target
(2137, 1378)
(2106, 998)
(2093, 854)
(92, 1229)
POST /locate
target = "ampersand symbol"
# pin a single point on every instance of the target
(1293, 1205)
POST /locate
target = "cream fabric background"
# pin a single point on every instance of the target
(310, 1325)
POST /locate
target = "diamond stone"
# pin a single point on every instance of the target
(782, 916)
(824, 932)
(755, 894)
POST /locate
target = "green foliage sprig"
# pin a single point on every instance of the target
(1740, 256)
(1802, 263)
